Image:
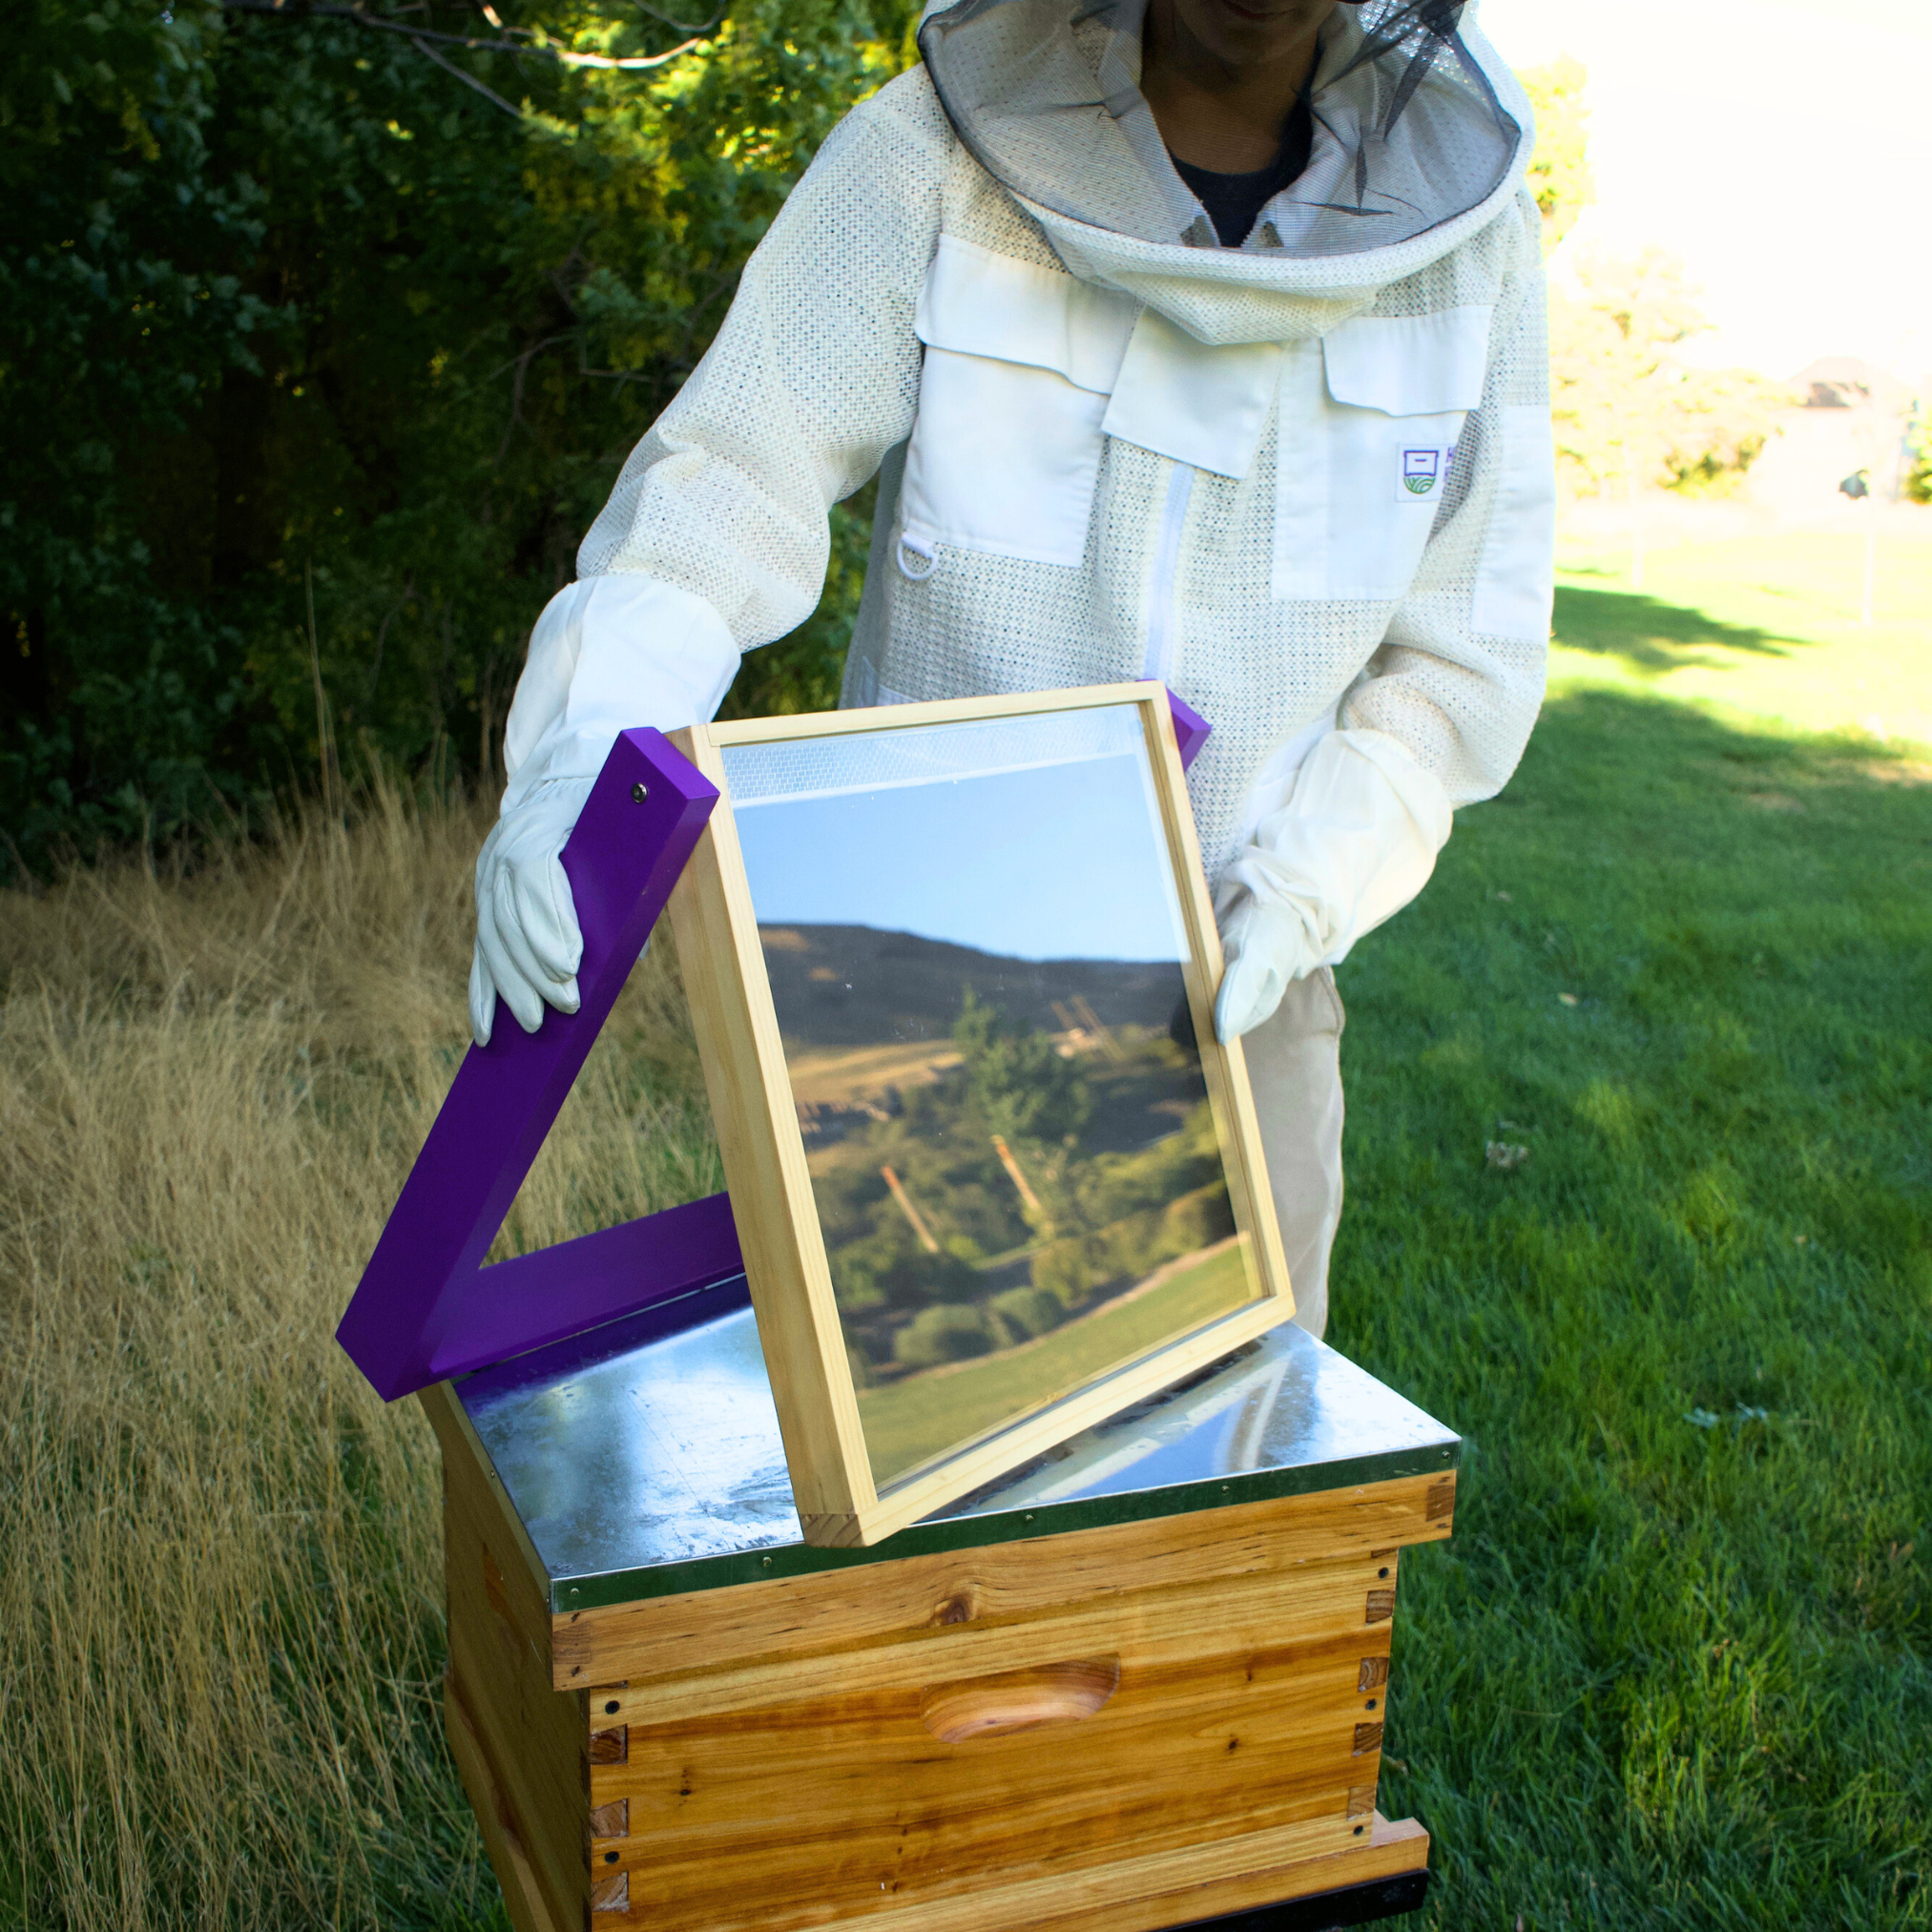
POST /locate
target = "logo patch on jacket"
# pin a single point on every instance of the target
(1422, 473)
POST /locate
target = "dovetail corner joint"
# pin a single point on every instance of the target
(610, 1747)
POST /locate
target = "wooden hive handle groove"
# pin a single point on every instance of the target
(1020, 1700)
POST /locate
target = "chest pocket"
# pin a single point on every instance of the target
(1020, 363)
(1369, 419)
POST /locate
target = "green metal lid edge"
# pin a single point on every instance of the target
(1014, 1525)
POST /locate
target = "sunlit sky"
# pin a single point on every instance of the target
(1778, 146)
(1029, 864)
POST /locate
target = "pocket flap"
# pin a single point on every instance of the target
(978, 303)
(1410, 365)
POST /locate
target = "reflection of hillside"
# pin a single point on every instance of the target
(852, 985)
(992, 1185)
(837, 1076)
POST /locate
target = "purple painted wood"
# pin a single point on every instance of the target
(425, 1306)
(1190, 729)
(559, 1292)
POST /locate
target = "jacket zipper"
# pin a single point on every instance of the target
(1158, 663)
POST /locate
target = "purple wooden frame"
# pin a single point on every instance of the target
(1190, 729)
(427, 1307)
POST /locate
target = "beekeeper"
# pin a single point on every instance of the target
(1192, 339)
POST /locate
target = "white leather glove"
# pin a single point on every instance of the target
(607, 652)
(1266, 947)
(528, 942)
(1350, 841)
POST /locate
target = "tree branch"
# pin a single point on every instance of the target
(489, 93)
(420, 34)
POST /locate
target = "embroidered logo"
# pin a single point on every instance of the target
(1422, 471)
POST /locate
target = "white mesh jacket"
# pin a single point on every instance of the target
(1306, 482)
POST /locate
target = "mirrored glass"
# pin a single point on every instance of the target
(975, 950)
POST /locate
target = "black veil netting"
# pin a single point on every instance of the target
(1410, 132)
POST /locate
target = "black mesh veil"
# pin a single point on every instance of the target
(1410, 132)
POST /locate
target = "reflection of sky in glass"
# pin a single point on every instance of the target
(1044, 861)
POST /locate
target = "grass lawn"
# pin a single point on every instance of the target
(1672, 1670)
(1762, 626)
(906, 1422)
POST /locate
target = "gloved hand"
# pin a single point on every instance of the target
(528, 941)
(1338, 845)
(1267, 947)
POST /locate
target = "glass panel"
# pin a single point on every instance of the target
(974, 945)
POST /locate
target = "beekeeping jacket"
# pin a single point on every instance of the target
(1305, 481)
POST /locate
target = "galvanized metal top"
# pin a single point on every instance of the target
(644, 1459)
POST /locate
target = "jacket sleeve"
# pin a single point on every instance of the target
(1458, 678)
(715, 538)
(1441, 714)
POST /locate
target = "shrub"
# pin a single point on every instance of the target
(948, 1332)
(1060, 1269)
(1197, 1221)
(1134, 1245)
(1028, 1311)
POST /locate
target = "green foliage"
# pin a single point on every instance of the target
(1018, 1082)
(1105, 1217)
(1631, 412)
(319, 362)
(1132, 1225)
(1114, 1186)
(1559, 174)
(888, 1268)
(947, 1333)
(1027, 1311)
(1918, 473)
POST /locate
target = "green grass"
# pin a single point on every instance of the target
(1765, 627)
(908, 1420)
(1672, 1668)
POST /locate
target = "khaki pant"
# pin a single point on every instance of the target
(1295, 1066)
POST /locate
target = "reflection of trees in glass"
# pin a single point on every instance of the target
(1122, 1163)
(1019, 1082)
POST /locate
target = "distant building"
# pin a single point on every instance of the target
(1850, 383)
(1852, 417)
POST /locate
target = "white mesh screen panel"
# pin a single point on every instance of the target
(918, 755)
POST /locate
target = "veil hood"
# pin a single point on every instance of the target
(1421, 139)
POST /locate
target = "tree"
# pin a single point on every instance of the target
(326, 332)
(1559, 174)
(1018, 1082)
(1630, 414)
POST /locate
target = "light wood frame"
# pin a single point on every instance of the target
(716, 931)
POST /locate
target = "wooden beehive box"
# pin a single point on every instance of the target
(1140, 1684)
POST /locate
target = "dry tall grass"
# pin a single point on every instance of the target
(222, 1600)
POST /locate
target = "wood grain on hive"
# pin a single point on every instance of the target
(1140, 1723)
